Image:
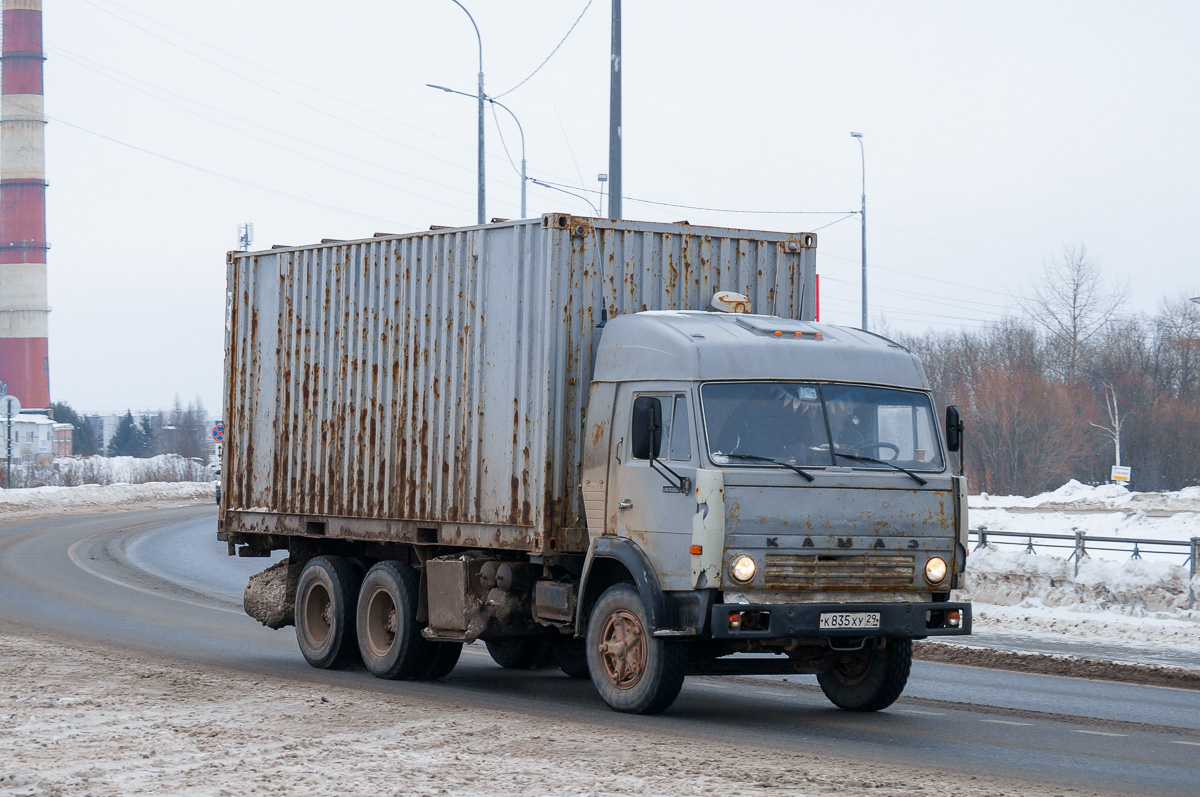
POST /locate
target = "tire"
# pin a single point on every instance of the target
(571, 657)
(869, 682)
(389, 636)
(442, 658)
(633, 672)
(519, 654)
(326, 595)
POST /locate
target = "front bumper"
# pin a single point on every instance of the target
(803, 620)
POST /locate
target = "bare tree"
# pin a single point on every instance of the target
(1115, 421)
(1072, 304)
(1178, 331)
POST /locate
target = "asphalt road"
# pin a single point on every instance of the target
(157, 583)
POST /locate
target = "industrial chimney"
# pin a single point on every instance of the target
(24, 311)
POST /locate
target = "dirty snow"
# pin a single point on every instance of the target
(75, 720)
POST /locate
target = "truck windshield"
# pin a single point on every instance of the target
(805, 423)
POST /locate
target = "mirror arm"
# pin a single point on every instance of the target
(679, 484)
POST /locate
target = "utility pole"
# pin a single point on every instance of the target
(862, 214)
(614, 117)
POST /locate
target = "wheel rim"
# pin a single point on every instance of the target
(852, 671)
(623, 649)
(318, 615)
(382, 622)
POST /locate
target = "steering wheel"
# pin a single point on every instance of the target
(876, 446)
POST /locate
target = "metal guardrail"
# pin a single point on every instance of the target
(1079, 543)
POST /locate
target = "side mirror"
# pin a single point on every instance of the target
(954, 428)
(647, 427)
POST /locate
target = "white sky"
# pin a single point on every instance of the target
(994, 135)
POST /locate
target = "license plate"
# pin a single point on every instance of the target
(850, 620)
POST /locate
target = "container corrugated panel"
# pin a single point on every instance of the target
(442, 377)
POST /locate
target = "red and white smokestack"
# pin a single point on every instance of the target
(24, 308)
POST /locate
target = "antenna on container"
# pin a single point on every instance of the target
(245, 235)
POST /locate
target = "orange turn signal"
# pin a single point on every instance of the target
(696, 550)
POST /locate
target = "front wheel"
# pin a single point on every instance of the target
(634, 672)
(869, 680)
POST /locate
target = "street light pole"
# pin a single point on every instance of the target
(482, 214)
(520, 129)
(862, 214)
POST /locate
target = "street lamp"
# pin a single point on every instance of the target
(520, 129)
(603, 178)
(482, 202)
(862, 214)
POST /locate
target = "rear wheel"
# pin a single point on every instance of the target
(870, 680)
(389, 636)
(442, 658)
(519, 654)
(326, 594)
(633, 671)
(571, 656)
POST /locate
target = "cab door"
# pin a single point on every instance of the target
(653, 492)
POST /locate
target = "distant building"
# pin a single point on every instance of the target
(33, 437)
(64, 439)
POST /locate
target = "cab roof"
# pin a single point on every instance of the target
(700, 345)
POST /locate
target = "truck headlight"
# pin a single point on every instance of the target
(935, 569)
(743, 569)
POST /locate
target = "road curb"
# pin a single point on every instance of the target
(1047, 664)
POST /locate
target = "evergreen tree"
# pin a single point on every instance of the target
(84, 441)
(127, 440)
(148, 439)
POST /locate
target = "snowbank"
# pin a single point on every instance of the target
(100, 496)
(1134, 588)
(1109, 510)
(1111, 497)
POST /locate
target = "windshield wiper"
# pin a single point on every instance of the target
(756, 458)
(881, 462)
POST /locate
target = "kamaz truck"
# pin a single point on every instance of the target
(622, 447)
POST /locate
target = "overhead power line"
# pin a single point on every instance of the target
(230, 177)
(552, 52)
(101, 70)
(314, 108)
(715, 210)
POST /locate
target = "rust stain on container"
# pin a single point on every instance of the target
(444, 376)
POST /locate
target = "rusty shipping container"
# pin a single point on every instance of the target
(432, 387)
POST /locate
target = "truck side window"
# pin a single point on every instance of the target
(681, 432)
